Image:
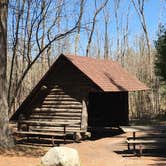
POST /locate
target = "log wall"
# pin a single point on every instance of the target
(63, 99)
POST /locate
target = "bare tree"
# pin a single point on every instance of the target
(150, 78)
(43, 56)
(106, 38)
(5, 140)
(97, 11)
(139, 7)
(98, 44)
(116, 8)
(77, 38)
(15, 45)
(125, 44)
(37, 18)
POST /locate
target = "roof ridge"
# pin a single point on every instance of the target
(85, 57)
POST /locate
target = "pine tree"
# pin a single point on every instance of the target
(160, 61)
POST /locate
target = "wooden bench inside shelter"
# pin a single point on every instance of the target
(51, 129)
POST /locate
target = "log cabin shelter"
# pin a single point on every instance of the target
(81, 91)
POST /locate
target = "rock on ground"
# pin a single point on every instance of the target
(61, 156)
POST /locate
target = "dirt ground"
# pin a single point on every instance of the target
(108, 151)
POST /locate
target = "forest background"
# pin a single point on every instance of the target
(121, 30)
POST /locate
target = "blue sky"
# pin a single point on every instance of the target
(154, 14)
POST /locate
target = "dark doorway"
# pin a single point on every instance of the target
(108, 109)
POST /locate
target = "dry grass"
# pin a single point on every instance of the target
(24, 150)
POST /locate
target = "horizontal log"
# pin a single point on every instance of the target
(46, 110)
(48, 131)
(57, 90)
(62, 102)
(33, 127)
(57, 120)
(35, 133)
(60, 99)
(56, 129)
(50, 123)
(49, 128)
(59, 96)
(68, 94)
(64, 121)
(63, 90)
(53, 117)
(62, 106)
(58, 113)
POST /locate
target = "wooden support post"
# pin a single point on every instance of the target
(84, 116)
(134, 139)
(140, 150)
(53, 144)
(128, 145)
(65, 134)
(19, 123)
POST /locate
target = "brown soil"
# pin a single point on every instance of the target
(102, 152)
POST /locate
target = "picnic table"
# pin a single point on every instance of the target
(60, 131)
(157, 135)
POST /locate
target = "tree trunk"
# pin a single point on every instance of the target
(93, 25)
(5, 139)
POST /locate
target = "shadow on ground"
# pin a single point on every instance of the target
(157, 155)
(159, 162)
(100, 133)
(146, 152)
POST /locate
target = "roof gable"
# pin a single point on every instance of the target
(107, 74)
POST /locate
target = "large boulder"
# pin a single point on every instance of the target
(61, 156)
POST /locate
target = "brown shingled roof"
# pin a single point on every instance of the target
(107, 74)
